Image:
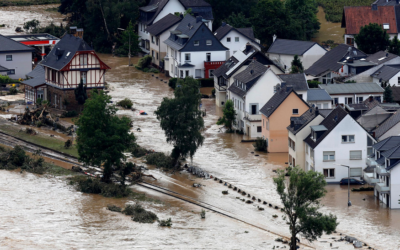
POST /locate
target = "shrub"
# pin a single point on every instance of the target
(213, 92)
(5, 79)
(260, 144)
(39, 124)
(39, 101)
(146, 70)
(95, 186)
(160, 160)
(139, 214)
(313, 83)
(144, 62)
(172, 82)
(165, 223)
(114, 208)
(203, 214)
(154, 70)
(71, 113)
(13, 91)
(125, 103)
(138, 151)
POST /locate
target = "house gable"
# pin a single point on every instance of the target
(203, 34)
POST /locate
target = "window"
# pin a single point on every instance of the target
(211, 72)
(398, 80)
(157, 55)
(350, 41)
(152, 39)
(83, 77)
(258, 129)
(329, 172)
(196, 43)
(236, 39)
(360, 99)
(181, 73)
(234, 51)
(83, 59)
(228, 39)
(8, 57)
(295, 111)
(198, 73)
(300, 95)
(187, 73)
(156, 41)
(292, 144)
(348, 139)
(306, 149)
(386, 26)
(208, 57)
(355, 172)
(349, 100)
(187, 56)
(253, 109)
(329, 156)
(209, 42)
(355, 155)
(11, 72)
(335, 100)
(267, 124)
(312, 153)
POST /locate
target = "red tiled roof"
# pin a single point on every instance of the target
(357, 16)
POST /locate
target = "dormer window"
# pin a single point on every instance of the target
(196, 43)
(209, 42)
(386, 26)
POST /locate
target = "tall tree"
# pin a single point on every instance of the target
(297, 65)
(238, 20)
(388, 95)
(181, 119)
(229, 118)
(129, 37)
(300, 195)
(304, 18)
(103, 136)
(394, 46)
(372, 38)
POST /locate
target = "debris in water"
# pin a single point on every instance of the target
(225, 192)
(203, 214)
(114, 208)
(196, 185)
(198, 172)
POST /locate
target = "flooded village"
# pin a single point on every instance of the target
(334, 114)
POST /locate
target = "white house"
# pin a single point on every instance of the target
(337, 140)
(390, 127)
(158, 9)
(298, 130)
(319, 98)
(387, 75)
(236, 38)
(284, 50)
(224, 75)
(298, 82)
(349, 93)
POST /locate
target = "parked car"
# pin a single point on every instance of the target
(353, 181)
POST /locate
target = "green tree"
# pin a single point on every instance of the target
(229, 117)
(300, 195)
(304, 21)
(124, 41)
(372, 38)
(80, 93)
(181, 119)
(394, 46)
(238, 20)
(388, 95)
(297, 66)
(32, 25)
(102, 135)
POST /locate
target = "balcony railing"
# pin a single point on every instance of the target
(371, 162)
(213, 64)
(382, 188)
(381, 170)
(252, 118)
(370, 179)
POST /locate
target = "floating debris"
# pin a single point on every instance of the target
(198, 172)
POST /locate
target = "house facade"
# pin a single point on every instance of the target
(276, 115)
(319, 98)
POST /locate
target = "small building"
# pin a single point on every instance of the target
(276, 115)
(35, 85)
(284, 50)
(337, 140)
(319, 98)
(387, 75)
(15, 58)
(41, 41)
(236, 38)
(160, 32)
(298, 82)
(350, 93)
(193, 50)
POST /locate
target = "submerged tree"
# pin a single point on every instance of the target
(300, 195)
(129, 37)
(102, 135)
(80, 93)
(297, 66)
(229, 118)
(372, 38)
(181, 119)
(388, 94)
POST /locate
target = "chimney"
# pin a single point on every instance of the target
(374, 6)
(72, 30)
(199, 19)
(223, 24)
(316, 111)
(79, 33)
(283, 85)
(274, 38)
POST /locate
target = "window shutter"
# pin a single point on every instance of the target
(355, 172)
(355, 155)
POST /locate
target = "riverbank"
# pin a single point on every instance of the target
(5, 3)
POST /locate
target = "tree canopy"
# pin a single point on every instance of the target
(125, 41)
(238, 20)
(297, 66)
(229, 118)
(394, 46)
(388, 94)
(300, 195)
(103, 136)
(181, 119)
(372, 38)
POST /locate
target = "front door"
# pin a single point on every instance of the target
(387, 200)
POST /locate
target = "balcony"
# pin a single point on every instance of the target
(370, 179)
(213, 64)
(382, 188)
(370, 161)
(252, 118)
(381, 170)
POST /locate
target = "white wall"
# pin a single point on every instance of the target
(171, 7)
(238, 104)
(312, 55)
(394, 188)
(234, 46)
(285, 60)
(21, 63)
(162, 47)
(321, 104)
(354, 96)
(394, 131)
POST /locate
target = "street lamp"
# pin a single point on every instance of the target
(129, 55)
(348, 185)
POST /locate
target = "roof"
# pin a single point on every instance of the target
(387, 143)
(290, 47)
(393, 153)
(380, 57)
(303, 120)
(64, 51)
(277, 99)
(318, 95)
(163, 24)
(21, 38)
(37, 77)
(353, 88)
(188, 26)
(387, 125)
(330, 122)
(386, 72)
(8, 45)
(3, 69)
(222, 31)
(319, 128)
(385, 2)
(325, 112)
(298, 81)
(355, 17)
(329, 61)
(253, 71)
(396, 93)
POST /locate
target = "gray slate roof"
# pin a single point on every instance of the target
(163, 24)
(297, 81)
(222, 31)
(184, 28)
(329, 61)
(8, 45)
(318, 95)
(3, 69)
(237, 91)
(276, 100)
(387, 125)
(37, 77)
(303, 120)
(393, 153)
(290, 47)
(380, 54)
(396, 93)
(253, 71)
(64, 51)
(325, 112)
(352, 88)
(330, 122)
(386, 72)
(387, 143)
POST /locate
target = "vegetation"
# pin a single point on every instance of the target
(33, 26)
(165, 223)
(81, 93)
(350, 81)
(213, 92)
(238, 20)
(160, 160)
(139, 214)
(138, 151)
(300, 196)
(125, 103)
(394, 46)
(313, 83)
(71, 113)
(26, 2)
(94, 186)
(114, 208)
(372, 38)
(203, 214)
(103, 136)
(229, 117)
(260, 144)
(172, 82)
(334, 9)
(297, 66)
(144, 62)
(181, 119)
(388, 95)
(5, 79)
(128, 37)
(13, 91)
